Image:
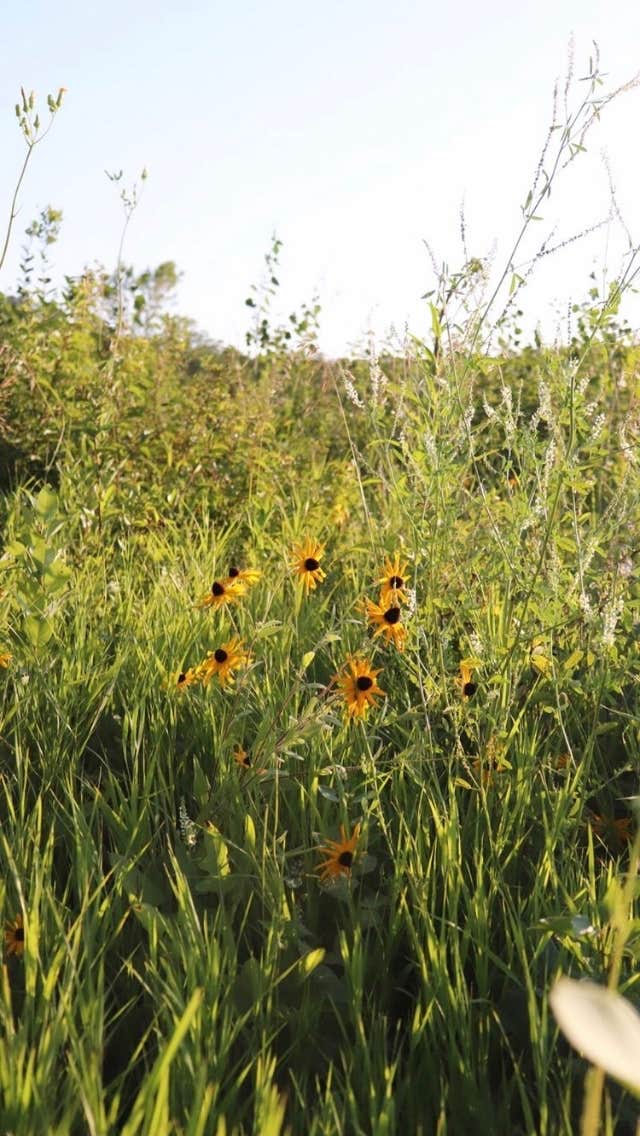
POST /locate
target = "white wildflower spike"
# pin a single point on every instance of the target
(188, 829)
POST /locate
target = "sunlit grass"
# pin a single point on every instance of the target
(184, 961)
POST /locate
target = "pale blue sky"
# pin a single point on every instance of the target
(352, 129)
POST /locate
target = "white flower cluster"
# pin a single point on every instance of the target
(626, 445)
(377, 377)
(612, 615)
(351, 391)
(509, 420)
(545, 409)
(431, 447)
(188, 829)
(585, 606)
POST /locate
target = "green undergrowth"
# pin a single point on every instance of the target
(186, 970)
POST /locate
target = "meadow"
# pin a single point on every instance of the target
(319, 714)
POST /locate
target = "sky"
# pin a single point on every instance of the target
(354, 130)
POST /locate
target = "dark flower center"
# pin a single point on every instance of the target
(233, 572)
(220, 655)
(19, 935)
(345, 859)
(396, 582)
(181, 677)
(363, 682)
(392, 615)
(469, 689)
(217, 589)
(311, 564)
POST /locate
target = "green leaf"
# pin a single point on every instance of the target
(56, 576)
(38, 631)
(310, 961)
(214, 857)
(571, 926)
(436, 326)
(15, 548)
(250, 831)
(571, 663)
(201, 786)
(46, 503)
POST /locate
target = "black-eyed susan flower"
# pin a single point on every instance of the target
(223, 592)
(359, 686)
(14, 937)
(340, 855)
(248, 576)
(386, 618)
(465, 679)
(241, 757)
(244, 760)
(393, 581)
(305, 562)
(222, 662)
(5, 659)
(186, 678)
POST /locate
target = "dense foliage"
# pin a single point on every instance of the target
(174, 960)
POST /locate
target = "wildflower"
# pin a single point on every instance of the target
(351, 391)
(465, 680)
(513, 480)
(386, 620)
(14, 937)
(359, 687)
(611, 618)
(247, 576)
(186, 678)
(242, 758)
(393, 581)
(306, 562)
(188, 829)
(5, 659)
(615, 832)
(229, 657)
(223, 592)
(340, 855)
